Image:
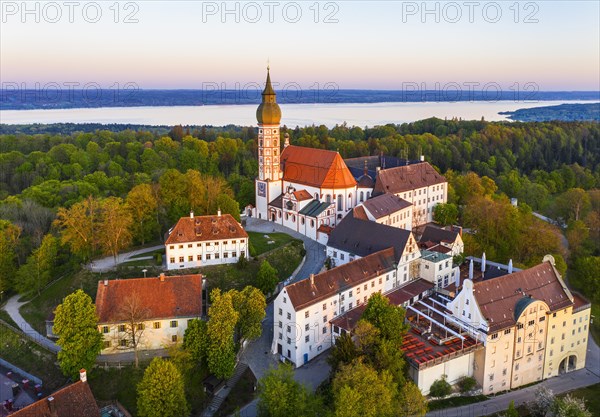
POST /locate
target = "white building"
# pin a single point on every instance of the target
(419, 184)
(390, 210)
(197, 241)
(447, 241)
(437, 268)
(161, 308)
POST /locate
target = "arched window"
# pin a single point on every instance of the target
(287, 216)
(312, 223)
(302, 220)
(368, 194)
(362, 196)
(328, 199)
(279, 213)
(340, 203)
(350, 200)
(317, 196)
(294, 218)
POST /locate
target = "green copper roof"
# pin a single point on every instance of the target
(522, 305)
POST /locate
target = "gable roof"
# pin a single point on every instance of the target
(302, 195)
(315, 167)
(303, 294)
(385, 204)
(75, 400)
(202, 228)
(437, 235)
(500, 299)
(173, 296)
(364, 237)
(407, 177)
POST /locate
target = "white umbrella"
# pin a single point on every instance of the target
(510, 267)
(457, 277)
(483, 262)
(471, 269)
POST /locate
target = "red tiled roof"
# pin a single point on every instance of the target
(325, 229)
(303, 294)
(75, 400)
(315, 167)
(497, 297)
(202, 228)
(360, 213)
(302, 195)
(175, 296)
(407, 177)
(385, 204)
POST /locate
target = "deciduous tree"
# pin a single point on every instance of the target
(76, 325)
(37, 272)
(115, 233)
(143, 207)
(161, 391)
(250, 304)
(133, 314)
(220, 328)
(79, 226)
(9, 236)
(195, 339)
(266, 278)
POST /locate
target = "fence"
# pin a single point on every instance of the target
(21, 372)
(32, 337)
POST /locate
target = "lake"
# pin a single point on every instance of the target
(362, 114)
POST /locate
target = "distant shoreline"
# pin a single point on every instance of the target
(588, 112)
(73, 99)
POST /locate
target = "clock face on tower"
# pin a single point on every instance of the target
(262, 189)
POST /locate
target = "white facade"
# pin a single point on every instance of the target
(437, 268)
(424, 200)
(198, 254)
(156, 334)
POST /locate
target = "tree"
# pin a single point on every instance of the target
(250, 304)
(411, 401)
(76, 325)
(115, 226)
(343, 352)
(9, 236)
(79, 225)
(195, 339)
(445, 214)
(143, 207)
(279, 395)
(228, 205)
(388, 318)
(133, 314)
(161, 391)
(542, 402)
(512, 411)
(586, 272)
(360, 391)
(466, 384)
(440, 388)
(266, 279)
(570, 407)
(220, 328)
(573, 204)
(39, 268)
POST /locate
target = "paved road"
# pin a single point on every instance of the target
(258, 354)
(12, 307)
(108, 263)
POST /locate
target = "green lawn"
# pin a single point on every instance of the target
(31, 358)
(150, 253)
(261, 244)
(284, 259)
(117, 384)
(590, 395)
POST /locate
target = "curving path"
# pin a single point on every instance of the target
(12, 307)
(108, 263)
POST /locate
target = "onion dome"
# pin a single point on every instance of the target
(268, 112)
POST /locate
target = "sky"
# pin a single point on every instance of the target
(545, 45)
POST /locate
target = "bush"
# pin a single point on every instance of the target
(251, 249)
(466, 384)
(159, 259)
(440, 388)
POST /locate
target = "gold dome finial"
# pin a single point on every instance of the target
(268, 111)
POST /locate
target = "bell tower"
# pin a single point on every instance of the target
(270, 175)
(268, 115)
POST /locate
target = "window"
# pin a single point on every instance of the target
(495, 336)
(106, 344)
(280, 312)
(289, 316)
(324, 329)
(181, 259)
(280, 336)
(507, 331)
(121, 327)
(289, 343)
(217, 256)
(307, 338)
(199, 257)
(226, 255)
(531, 322)
(173, 323)
(284, 300)
(306, 314)
(208, 256)
(519, 326)
(350, 293)
(156, 325)
(189, 245)
(180, 246)
(141, 326)
(172, 247)
(234, 254)
(280, 324)
(123, 343)
(104, 329)
(324, 319)
(324, 306)
(172, 260)
(174, 338)
(289, 328)
(542, 318)
(306, 327)
(190, 258)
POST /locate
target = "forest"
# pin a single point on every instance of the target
(141, 181)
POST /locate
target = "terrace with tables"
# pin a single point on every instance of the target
(435, 336)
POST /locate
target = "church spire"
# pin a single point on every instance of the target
(268, 112)
(268, 91)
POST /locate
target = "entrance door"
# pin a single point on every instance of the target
(306, 358)
(279, 348)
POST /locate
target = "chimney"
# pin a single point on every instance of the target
(106, 283)
(82, 375)
(162, 277)
(312, 280)
(219, 212)
(191, 214)
(51, 405)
